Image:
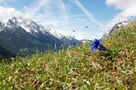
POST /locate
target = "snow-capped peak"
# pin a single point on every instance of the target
(30, 26)
(34, 28)
(56, 33)
(26, 24)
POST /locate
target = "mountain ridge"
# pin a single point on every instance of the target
(19, 33)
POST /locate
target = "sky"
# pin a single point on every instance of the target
(89, 19)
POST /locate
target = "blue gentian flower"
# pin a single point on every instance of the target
(96, 44)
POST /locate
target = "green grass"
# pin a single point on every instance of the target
(77, 68)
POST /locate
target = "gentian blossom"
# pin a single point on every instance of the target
(96, 44)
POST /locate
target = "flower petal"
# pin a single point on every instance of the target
(94, 49)
(101, 48)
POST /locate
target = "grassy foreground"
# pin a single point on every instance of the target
(77, 68)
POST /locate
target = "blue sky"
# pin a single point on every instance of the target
(65, 16)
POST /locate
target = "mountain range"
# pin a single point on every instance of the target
(24, 36)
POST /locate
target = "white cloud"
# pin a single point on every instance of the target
(42, 11)
(64, 17)
(61, 21)
(63, 10)
(121, 4)
(48, 15)
(127, 8)
(43, 2)
(32, 10)
(88, 14)
(6, 13)
(93, 23)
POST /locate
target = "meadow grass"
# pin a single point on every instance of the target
(77, 68)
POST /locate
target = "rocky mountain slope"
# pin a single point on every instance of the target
(24, 36)
(4, 53)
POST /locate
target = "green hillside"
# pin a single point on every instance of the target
(77, 68)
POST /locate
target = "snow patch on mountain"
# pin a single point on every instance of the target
(34, 28)
(30, 26)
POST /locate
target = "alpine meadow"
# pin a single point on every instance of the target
(67, 45)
